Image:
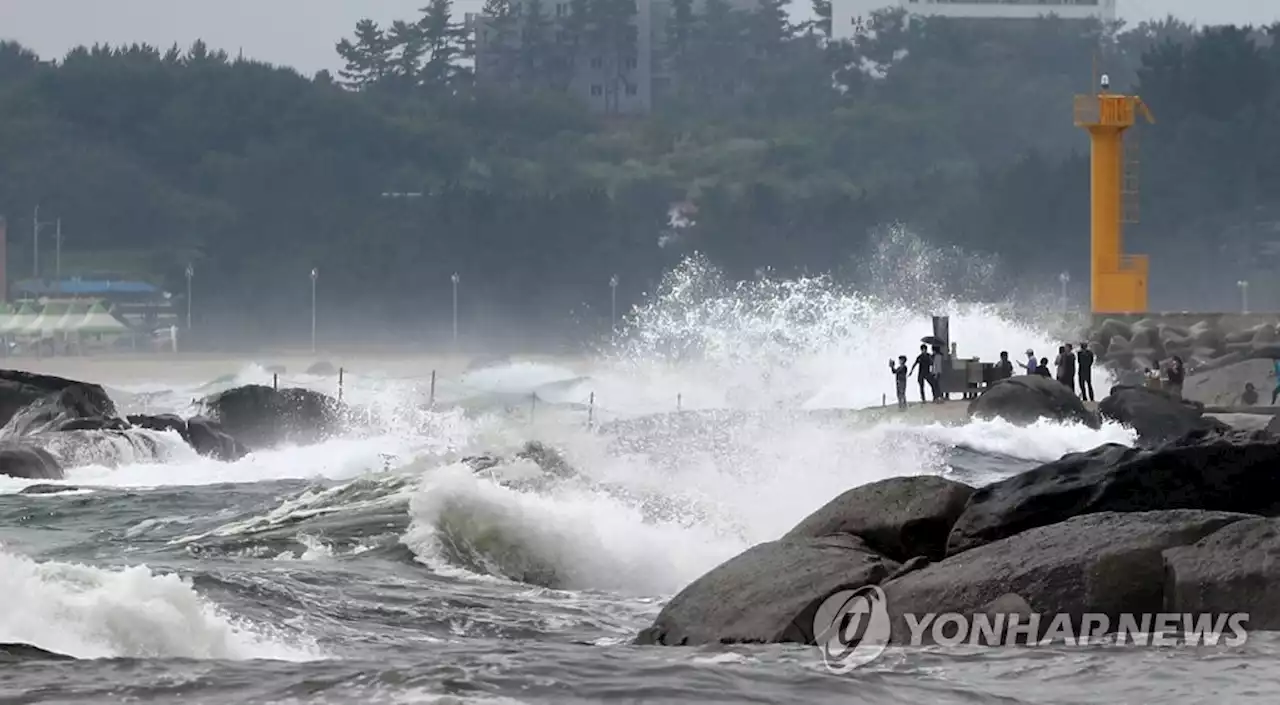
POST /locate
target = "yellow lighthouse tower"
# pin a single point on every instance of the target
(1118, 281)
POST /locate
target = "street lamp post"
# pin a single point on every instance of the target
(1064, 279)
(1244, 295)
(191, 272)
(455, 279)
(314, 275)
(57, 256)
(613, 302)
(35, 244)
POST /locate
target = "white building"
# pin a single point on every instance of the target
(848, 15)
(629, 89)
(625, 89)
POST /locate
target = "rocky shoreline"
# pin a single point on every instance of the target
(1184, 523)
(43, 413)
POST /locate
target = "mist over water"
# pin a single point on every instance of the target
(382, 546)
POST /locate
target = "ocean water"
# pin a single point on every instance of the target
(377, 568)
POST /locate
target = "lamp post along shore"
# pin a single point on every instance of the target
(315, 274)
(57, 256)
(455, 279)
(613, 303)
(191, 273)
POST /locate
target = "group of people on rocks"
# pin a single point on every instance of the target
(927, 366)
(1070, 367)
(1174, 374)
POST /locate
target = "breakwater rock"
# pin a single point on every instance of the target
(1182, 527)
(1205, 343)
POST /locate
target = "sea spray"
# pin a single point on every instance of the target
(90, 612)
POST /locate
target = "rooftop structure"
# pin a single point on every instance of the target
(848, 16)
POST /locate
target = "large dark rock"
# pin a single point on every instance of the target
(767, 594)
(1231, 570)
(1157, 416)
(47, 489)
(28, 462)
(18, 652)
(208, 438)
(1029, 398)
(160, 423)
(901, 517)
(18, 389)
(1233, 472)
(204, 435)
(1107, 563)
(262, 417)
(76, 406)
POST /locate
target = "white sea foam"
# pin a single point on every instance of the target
(90, 612)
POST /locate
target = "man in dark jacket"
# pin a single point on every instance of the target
(1068, 368)
(1004, 368)
(1085, 358)
(1177, 375)
(924, 361)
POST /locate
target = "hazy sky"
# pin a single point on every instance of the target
(301, 33)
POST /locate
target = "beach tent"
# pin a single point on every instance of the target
(71, 318)
(98, 321)
(19, 321)
(46, 322)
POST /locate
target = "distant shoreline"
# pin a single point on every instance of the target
(128, 367)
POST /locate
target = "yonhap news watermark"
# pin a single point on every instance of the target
(853, 628)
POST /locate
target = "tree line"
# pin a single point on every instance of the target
(792, 149)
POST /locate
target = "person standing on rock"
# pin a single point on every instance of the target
(925, 364)
(1031, 365)
(1004, 368)
(900, 373)
(1069, 368)
(1060, 364)
(936, 377)
(1085, 359)
(1176, 375)
(1043, 368)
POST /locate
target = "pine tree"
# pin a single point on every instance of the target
(769, 28)
(444, 41)
(822, 13)
(407, 48)
(569, 45)
(367, 58)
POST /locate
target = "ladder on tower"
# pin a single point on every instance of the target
(1129, 179)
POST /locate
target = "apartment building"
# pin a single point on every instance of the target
(630, 89)
(603, 86)
(847, 16)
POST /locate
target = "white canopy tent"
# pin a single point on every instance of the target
(19, 321)
(46, 322)
(98, 321)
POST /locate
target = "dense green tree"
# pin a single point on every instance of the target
(822, 16)
(793, 147)
(444, 40)
(368, 57)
